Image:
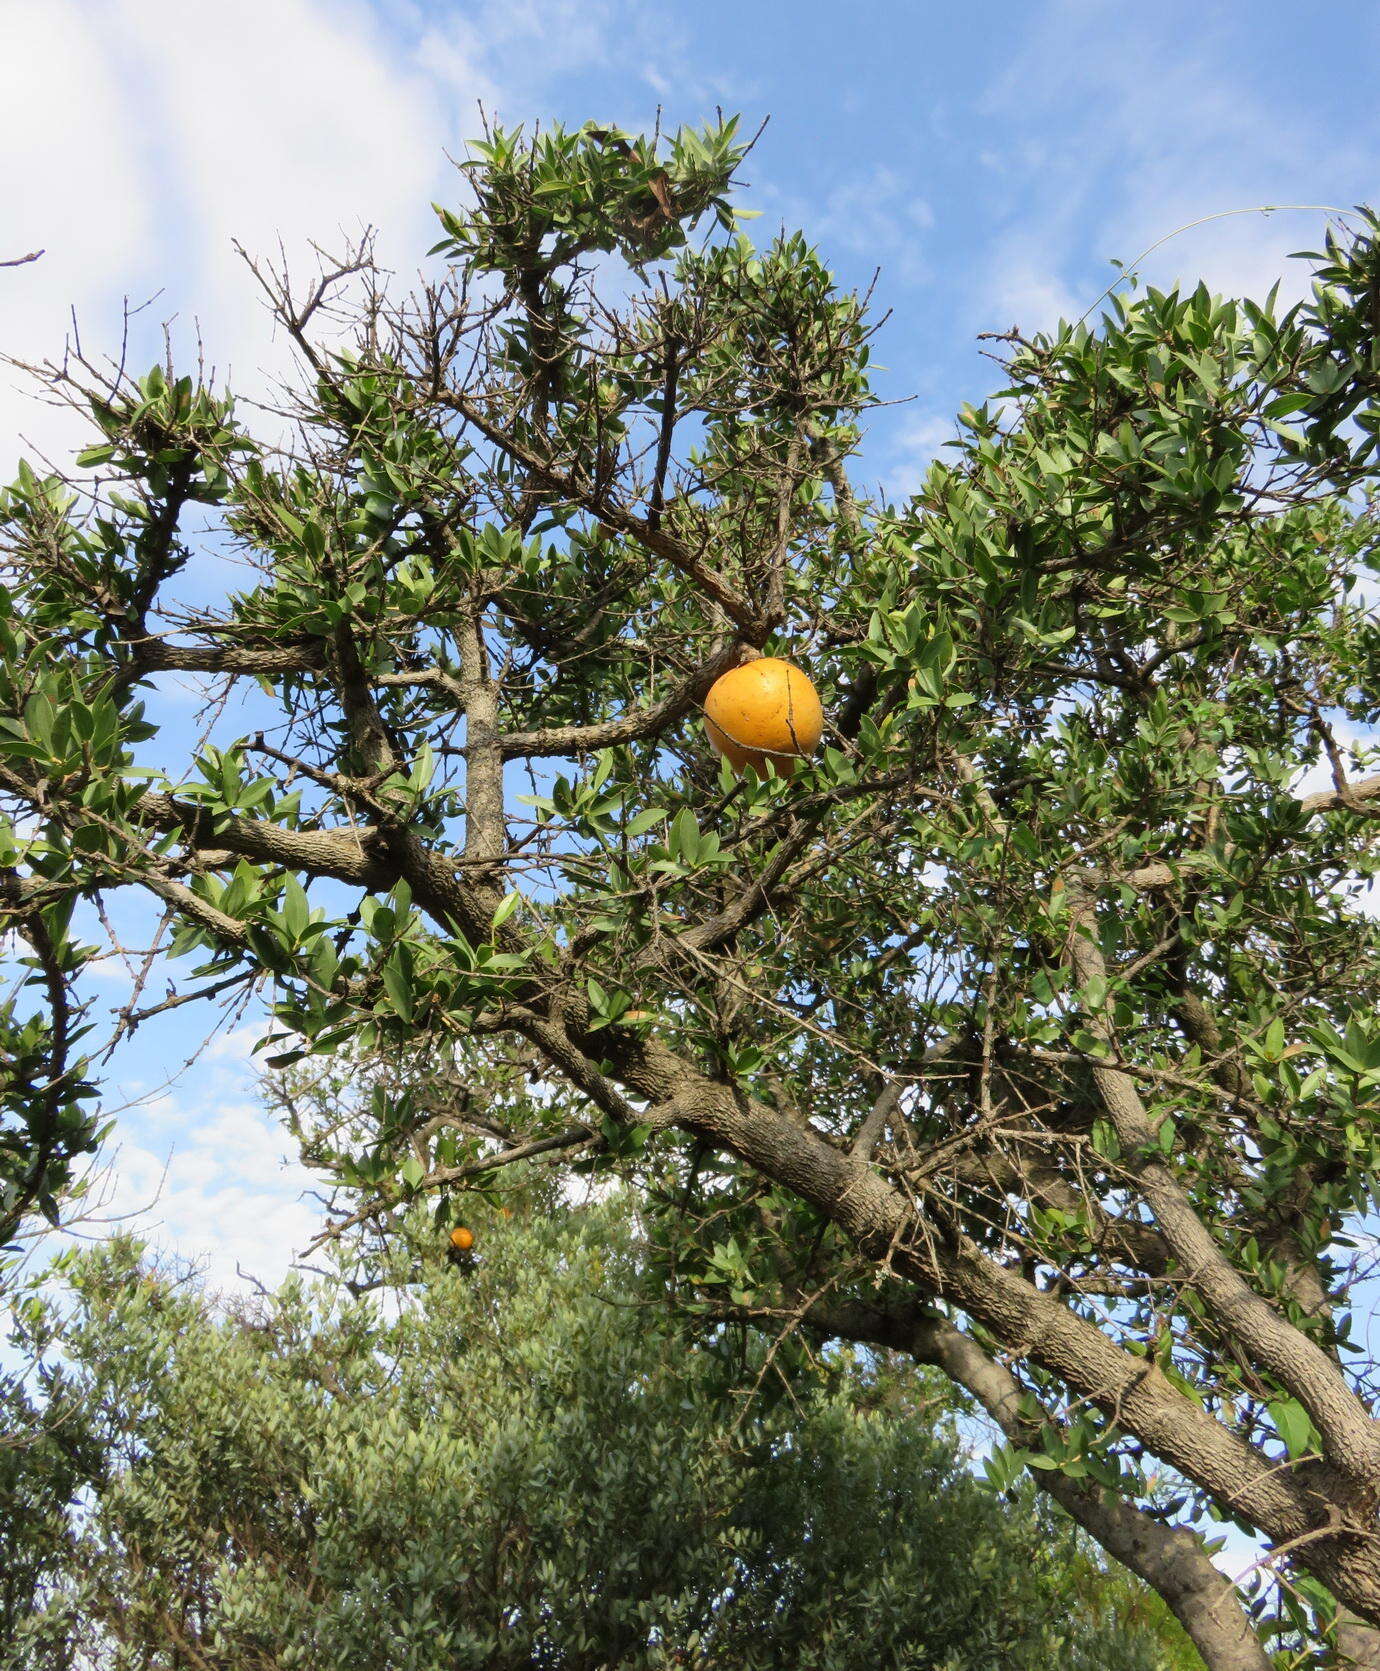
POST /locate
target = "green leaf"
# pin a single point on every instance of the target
(506, 906)
(1293, 1426)
(645, 821)
(398, 985)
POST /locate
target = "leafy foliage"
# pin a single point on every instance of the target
(1031, 1028)
(523, 1465)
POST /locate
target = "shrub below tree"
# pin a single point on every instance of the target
(520, 1462)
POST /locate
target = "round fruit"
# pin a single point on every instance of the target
(462, 1238)
(764, 714)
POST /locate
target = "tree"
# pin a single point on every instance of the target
(45, 1460)
(1030, 1030)
(520, 1464)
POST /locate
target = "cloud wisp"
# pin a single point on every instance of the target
(1115, 138)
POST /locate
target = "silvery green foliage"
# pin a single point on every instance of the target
(517, 1463)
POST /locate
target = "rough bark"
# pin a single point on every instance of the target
(1170, 1560)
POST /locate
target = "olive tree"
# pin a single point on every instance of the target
(1029, 1028)
(521, 1462)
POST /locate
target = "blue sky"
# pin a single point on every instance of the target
(988, 160)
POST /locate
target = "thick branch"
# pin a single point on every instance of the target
(1353, 797)
(1170, 1560)
(485, 830)
(634, 725)
(1351, 1438)
(154, 656)
(356, 855)
(882, 1222)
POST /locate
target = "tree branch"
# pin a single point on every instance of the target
(622, 521)
(1170, 1560)
(634, 725)
(1350, 1434)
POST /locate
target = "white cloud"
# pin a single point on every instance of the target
(114, 973)
(174, 128)
(240, 1045)
(880, 217)
(224, 1192)
(76, 186)
(1024, 291)
(535, 49)
(528, 40)
(1154, 132)
(281, 124)
(147, 136)
(874, 215)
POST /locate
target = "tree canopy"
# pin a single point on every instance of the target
(524, 1463)
(1030, 1028)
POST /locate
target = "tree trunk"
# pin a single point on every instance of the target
(1169, 1559)
(1358, 1644)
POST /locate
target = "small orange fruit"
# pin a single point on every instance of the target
(764, 714)
(462, 1238)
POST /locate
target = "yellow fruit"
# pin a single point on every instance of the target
(462, 1238)
(764, 714)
